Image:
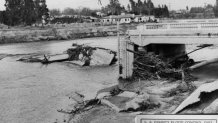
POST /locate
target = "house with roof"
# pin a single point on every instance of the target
(127, 18)
(113, 19)
(144, 18)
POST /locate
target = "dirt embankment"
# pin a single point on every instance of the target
(63, 32)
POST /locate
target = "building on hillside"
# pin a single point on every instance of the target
(127, 18)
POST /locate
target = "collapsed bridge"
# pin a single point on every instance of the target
(167, 39)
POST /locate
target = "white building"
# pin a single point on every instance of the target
(113, 19)
(128, 18)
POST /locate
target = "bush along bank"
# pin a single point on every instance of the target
(18, 36)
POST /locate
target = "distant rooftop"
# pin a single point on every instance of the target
(122, 16)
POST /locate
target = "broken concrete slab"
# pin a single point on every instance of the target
(58, 57)
(45, 59)
(111, 105)
(101, 57)
(195, 96)
(81, 55)
(30, 59)
(103, 95)
(55, 58)
(85, 55)
(135, 103)
(70, 101)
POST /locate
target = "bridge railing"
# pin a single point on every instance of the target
(180, 26)
(188, 20)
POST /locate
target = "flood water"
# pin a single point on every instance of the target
(31, 92)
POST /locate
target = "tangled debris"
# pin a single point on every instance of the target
(148, 66)
(83, 55)
(88, 54)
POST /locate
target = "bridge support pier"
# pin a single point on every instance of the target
(126, 58)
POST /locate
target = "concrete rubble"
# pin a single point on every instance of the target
(91, 56)
(82, 55)
(197, 102)
(153, 93)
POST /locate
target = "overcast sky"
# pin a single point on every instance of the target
(174, 4)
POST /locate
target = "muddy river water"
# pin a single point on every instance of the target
(31, 92)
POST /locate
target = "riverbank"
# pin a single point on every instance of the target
(153, 96)
(139, 98)
(61, 32)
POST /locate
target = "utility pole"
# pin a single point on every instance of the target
(149, 9)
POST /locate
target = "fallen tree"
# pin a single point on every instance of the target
(203, 64)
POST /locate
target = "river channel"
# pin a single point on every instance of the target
(31, 92)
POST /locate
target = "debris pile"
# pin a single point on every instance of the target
(148, 66)
(91, 55)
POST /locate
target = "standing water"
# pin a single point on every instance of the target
(31, 92)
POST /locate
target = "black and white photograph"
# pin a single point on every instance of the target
(108, 61)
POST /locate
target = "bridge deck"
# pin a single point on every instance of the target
(175, 33)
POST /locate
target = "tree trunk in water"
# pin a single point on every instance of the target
(204, 63)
